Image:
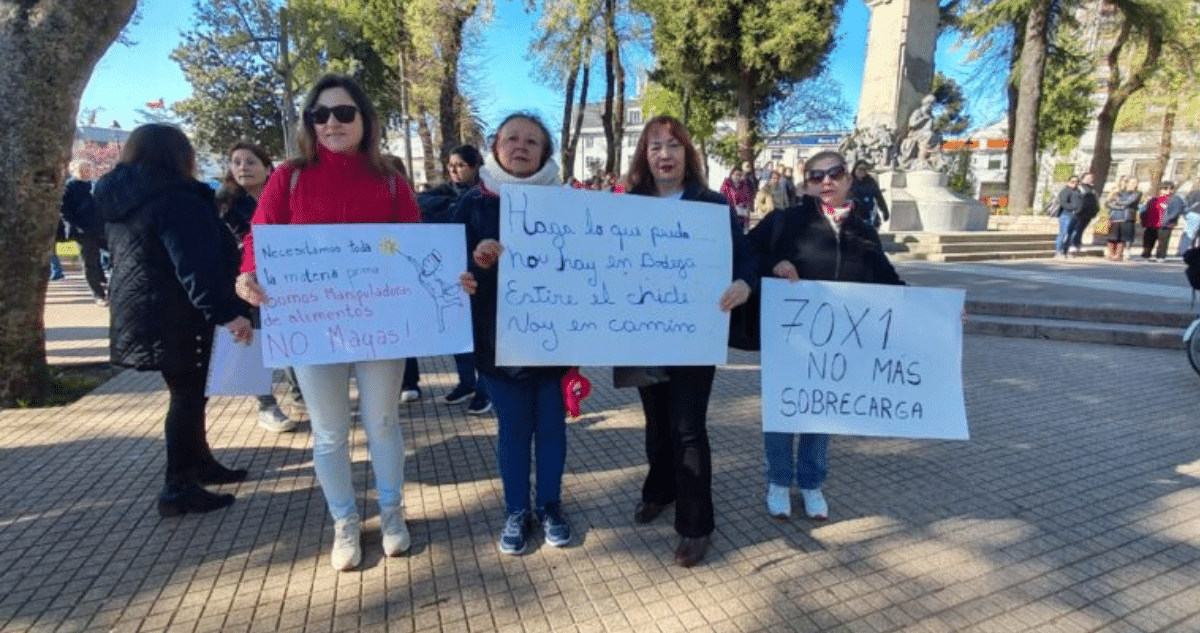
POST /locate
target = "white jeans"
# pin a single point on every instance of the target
(326, 391)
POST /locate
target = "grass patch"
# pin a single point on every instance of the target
(69, 383)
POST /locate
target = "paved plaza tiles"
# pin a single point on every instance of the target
(1074, 507)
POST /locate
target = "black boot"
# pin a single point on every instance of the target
(188, 496)
(212, 472)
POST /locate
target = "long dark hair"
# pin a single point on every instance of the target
(161, 147)
(372, 133)
(640, 179)
(230, 188)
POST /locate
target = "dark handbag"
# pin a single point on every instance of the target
(744, 325)
(745, 320)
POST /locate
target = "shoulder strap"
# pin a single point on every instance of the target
(295, 179)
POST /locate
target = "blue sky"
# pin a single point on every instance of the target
(129, 76)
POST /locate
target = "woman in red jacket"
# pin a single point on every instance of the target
(341, 177)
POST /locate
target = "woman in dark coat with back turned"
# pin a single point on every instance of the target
(675, 399)
(174, 265)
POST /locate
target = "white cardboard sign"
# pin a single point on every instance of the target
(862, 359)
(349, 292)
(590, 278)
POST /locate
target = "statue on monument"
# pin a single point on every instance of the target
(875, 144)
(921, 145)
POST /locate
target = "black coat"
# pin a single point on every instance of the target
(437, 205)
(802, 235)
(236, 211)
(78, 211)
(174, 265)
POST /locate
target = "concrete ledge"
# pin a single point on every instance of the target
(1077, 331)
(1083, 313)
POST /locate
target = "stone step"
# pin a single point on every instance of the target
(1157, 336)
(1080, 312)
(974, 237)
(974, 257)
(975, 247)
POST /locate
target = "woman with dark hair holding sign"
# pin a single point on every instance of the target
(341, 177)
(675, 399)
(822, 238)
(528, 400)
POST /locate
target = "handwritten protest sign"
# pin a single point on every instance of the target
(862, 359)
(349, 292)
(590, 278)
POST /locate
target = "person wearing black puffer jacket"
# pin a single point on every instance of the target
(437, 207)
(822, 238)
(174, 265)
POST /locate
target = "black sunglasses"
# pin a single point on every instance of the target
(343, 113)
(817, 176)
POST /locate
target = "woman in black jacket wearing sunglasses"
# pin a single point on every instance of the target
(822, 238)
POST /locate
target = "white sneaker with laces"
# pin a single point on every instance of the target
(396, 539)
(814, 504)
(275, 421)
(347, 552)
(779, 501)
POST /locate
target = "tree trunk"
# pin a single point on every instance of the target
(429, 157)
(1023, 167)
(583, 91)
(610, 81)
(568, 103)
(1118, 94)
(619, 71)
(1014, 99)
(1164, 143)
(448, 111)
(745, 116)
(48, 49)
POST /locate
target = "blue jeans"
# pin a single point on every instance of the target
(56, 271)
(812, 466)
(1062, 242)
(530, 411)
(327, 395)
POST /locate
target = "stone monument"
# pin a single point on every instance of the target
(895, 104)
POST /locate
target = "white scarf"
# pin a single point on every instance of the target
(494, 177)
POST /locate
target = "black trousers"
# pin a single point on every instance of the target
(89, 254)
(677, 447)
(184, 427)
(1149, 239)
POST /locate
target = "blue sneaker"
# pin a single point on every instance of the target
(555, 525)
(514, 534)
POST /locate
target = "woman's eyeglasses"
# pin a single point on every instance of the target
(817, 176)
(343, 113)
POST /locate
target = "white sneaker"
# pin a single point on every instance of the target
(410, 395)
(275, 421)
(779, 501)
(347, 553)
(396, 539)
(814, 504)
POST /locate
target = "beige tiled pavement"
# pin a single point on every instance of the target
(1074, 507)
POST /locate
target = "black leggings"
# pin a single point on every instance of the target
(184, 427)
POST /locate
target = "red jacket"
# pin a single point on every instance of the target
(337, 189)
(1154, 211)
